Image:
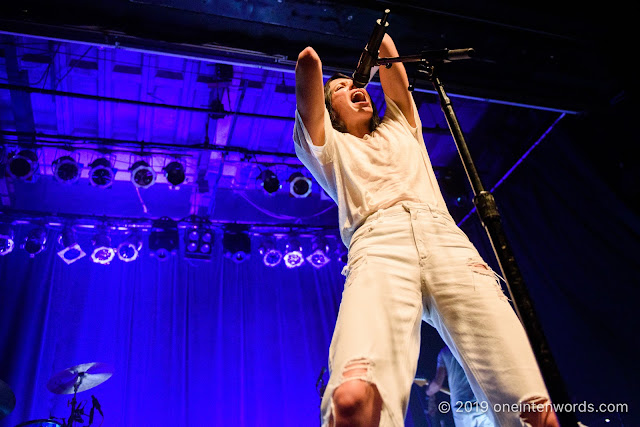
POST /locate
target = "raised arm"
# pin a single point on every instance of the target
(394, 80)
(310, 94)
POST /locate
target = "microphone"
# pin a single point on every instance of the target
(370, 53)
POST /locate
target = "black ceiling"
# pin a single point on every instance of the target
(562, 56)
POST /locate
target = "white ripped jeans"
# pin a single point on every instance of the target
(411, 262)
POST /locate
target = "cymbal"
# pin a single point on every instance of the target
(7, 400)
(80, 378)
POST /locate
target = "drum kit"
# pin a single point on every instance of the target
(73, 380)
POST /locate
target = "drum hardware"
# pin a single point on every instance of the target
(74, 380)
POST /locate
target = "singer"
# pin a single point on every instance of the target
(408, 260)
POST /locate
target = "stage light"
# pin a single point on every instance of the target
(66, 170)
(23, 165)
(293, 256)
(236, 243)
(198, 242)
(142, 175)
(103, 253)
(341, 253)
(129, 249)
(174, 172)
(271, 256)
(269, 181)
(299, 185)
(6, 239)
(35, 241)
(102, 173)
(319, 255)
(70, 250)
(164, 238)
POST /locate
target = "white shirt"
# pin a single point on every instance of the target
(363, 175)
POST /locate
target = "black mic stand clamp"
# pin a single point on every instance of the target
(490, 217)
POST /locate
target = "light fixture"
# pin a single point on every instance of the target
(174, 172)
(271, 256)
(70, 251)
(103, 253)
(129, 249)
(142, 175)
(6, 239)
(236, 242)
(299, 185)
(198, 242)
(319, 255)
(269, 181)
(35, 241)
(293, 256)
(66, 170)
(23, 165)
(102, 173)
(341, 253)
(164, 238)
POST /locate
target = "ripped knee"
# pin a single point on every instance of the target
(538, 412)
(357, 395)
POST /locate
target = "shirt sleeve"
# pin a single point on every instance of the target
(319, 160)
(393, 113)
(306, 150)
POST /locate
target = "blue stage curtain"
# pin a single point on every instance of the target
(213, 344)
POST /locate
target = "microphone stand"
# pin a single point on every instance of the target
(490, 217)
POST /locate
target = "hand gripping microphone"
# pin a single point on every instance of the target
(370, 54)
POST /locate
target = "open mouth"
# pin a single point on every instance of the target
(358, 97)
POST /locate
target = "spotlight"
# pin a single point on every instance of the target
(129, 249)
(142, 175)
(293, 256)
(174, 172)
(66, 170)
(70, 250)
(164, 238)
(269, 181)
(236, 243)
(198, 242)
(102, 173)
(103, 253)
(318, 257)
(299, 185)
(35, 241)
(6, 239)
(342, 255)
(23, 165)
(270, 255)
